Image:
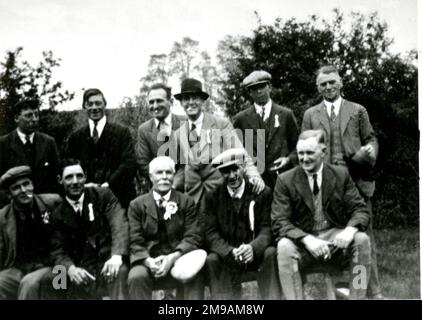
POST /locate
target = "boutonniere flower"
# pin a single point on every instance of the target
(46, 217)
(91, 212)
(276, 122)
(171, 208)
(252, 215)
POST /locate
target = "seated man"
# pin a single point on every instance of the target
(163, 231)
(238, 232)
(90, 237)
(24, 238)
(319, 217)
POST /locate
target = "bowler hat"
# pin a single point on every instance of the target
(191, 86)
(229, 157)
(13, 174)
(256, 77)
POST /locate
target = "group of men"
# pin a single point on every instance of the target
(220, 205)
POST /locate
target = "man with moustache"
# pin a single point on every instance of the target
(27, 146)
(153, 133)
(351, 142)
(238, 232)
(318, 217)
(90, 237)
(24, 237)
(105, 150)
(203, 137)
(276, 147)
(164, 238)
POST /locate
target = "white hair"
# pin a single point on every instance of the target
(159, 161)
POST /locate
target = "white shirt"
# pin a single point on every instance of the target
(165, 124)
(100, 126)
(336, 104)
(267, 109)
(319, 178)
(198, 124)
(238, 193)
(158, 196)
(80, 202)
(22, 136)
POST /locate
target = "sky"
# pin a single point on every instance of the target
(107, 43)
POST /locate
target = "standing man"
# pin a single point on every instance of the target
(238, 232)
(153, 133)
(203, 137)
(164, 232)
(90, 237)
(351, 142)
(276, 122)
(105, 150)
(27, 146)
(24, 237)
(319, 217)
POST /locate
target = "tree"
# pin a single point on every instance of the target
(385, 83)
(157, 71)
(20, 80)
(182, 58)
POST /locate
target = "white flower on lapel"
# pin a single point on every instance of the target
(276, 122)
(171, 208)
(209, 136)
(91, 212)
(46, 217)
(252, 215)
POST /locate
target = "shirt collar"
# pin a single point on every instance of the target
(267, 109)
(80, 201)
(336, 104)
(238, 193)
(22, 136)
(167, 121)
(100, 125)
(158, 196)
(197, 122)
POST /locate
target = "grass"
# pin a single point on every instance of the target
(398, 265)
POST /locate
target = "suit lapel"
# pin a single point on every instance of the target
(271, 119)
(323, 118)
(150, 206)
(328, 184)
(68, 215)
(302, 186)
(208, 124)
(39, 149)
(16, 144)
(253, 118)
(346, 112)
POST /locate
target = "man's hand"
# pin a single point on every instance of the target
(105, 185)
(317, 247)
(91, 184)
(279, 163)
(245, 253)
(152, 265)
(111, 268)
(258, 184)
(370, 150)
(79, 275)
(345, 237)
(166, 262)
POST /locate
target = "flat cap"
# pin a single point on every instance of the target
(229, 157)
(13, 174)
(256, 77)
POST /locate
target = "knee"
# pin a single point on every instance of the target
(212, 259)
(285, 248)
(138, 274)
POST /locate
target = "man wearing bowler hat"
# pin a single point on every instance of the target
(238, 232)
(278, 124)
(203, 137)
(24, 237)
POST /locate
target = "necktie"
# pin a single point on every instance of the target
(316, 188)
(262, 114)
(332, 113)
(193, 135)
(78, 208)
(95, 136)
(27, 140)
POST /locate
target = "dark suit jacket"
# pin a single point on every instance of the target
(111, 160)
(149, 142)
(182, 228)
(356, 131)
(107, 234)
(281, 139)
(45, 204)
(292, 211)
(46, 164)
(221, 221)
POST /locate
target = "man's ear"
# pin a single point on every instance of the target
(59, 179)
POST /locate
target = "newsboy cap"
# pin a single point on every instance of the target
(13, 174)
(191, 86)
(256, 77)
(229, 157)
